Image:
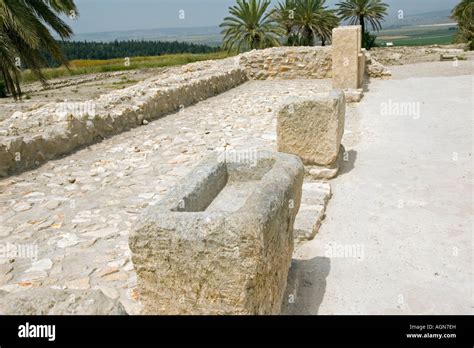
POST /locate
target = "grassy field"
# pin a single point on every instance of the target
(418, 36)
(80, 67)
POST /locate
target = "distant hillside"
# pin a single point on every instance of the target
(211, 35)
(74, 50)
(436, 17)
(200, 35)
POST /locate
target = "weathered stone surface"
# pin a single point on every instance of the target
(375, 69)
(288, 63)
(314, 200)
(46, 301)
(347, 57)
(313, 128)
(353, 95)
(222, 241)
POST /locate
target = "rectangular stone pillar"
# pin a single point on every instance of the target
(346, 51)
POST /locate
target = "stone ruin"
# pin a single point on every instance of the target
(32, 138)
(348, 60)
(221, 242)
(312, 129)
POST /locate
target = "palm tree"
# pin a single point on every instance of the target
(24, 35)
(360, 11)
(463, 14)
(285, 14)
(315, 20)
(251, 26)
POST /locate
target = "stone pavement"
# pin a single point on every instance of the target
(74, 214)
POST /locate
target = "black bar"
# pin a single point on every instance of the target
(292, 331)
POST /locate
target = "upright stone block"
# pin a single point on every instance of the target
(313, 128)
(222, 241)
(362, 64)
(347, 56)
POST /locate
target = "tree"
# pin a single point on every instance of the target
(463, 13)
(285, 15)
(314, 20)
(362, 11)
(24, 35)
(250, 26)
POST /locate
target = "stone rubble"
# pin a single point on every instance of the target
(376, 69)
(416, 54)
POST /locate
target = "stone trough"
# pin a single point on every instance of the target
(222, 241)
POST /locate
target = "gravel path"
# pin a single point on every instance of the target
(76, 212)
(398, 233)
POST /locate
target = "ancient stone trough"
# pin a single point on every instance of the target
(222, 241)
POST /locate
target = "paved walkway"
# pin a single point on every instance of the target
(398, 233)
(75, 213)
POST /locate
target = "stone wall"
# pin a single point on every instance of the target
(288, 63)
(29, 139)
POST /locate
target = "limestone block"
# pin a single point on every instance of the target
(346, 50)
(222, 241)
(313, 128)
(314, 200)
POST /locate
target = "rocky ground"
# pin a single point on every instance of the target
(78, 211)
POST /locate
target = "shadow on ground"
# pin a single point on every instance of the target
(306, 286)
(348, 162)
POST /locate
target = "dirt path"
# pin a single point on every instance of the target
(398, 233)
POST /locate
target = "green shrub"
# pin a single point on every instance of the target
(3, 89)
(368, 40)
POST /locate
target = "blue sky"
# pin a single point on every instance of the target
(117, 15)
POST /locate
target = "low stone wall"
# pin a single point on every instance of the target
(28, 139)
(288, 63)
(414, 54)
